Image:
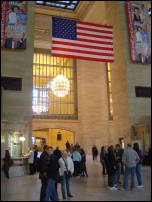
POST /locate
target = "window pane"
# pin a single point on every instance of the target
(45, 101)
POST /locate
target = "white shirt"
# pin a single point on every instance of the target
(31, 157)
(69, 164)
(12, 18)
(138, 37)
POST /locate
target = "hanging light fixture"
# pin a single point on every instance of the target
(60, 86)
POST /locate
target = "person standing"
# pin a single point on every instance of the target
(52, 176)
(68, 145)
(130, 159)
(102, 160)
(42, 167)
(138, 165)
(31, 161)
(66, 171)
(94, 152)
(111, 168)
(8, 162)
(83, 163)
(35, 159)
(118, 165)
(76, 156)
(122, 166)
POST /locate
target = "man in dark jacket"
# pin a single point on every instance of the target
(118, 157)
(52, 176)
(111, 167)
(43, 162)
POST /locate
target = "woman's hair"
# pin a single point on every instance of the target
(102, 148)
(111, 149)
(45, 147)
(136, 146)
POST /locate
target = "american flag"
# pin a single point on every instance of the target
(82, 40)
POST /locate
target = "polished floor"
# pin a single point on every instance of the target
(94, 188)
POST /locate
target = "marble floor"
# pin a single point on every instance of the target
(94, 188)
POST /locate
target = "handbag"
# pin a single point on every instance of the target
(68, 172)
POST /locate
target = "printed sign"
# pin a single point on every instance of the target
(13, 24)
(139, 38)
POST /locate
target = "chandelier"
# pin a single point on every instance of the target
(60, 86)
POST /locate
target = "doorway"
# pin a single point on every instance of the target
(54, 137)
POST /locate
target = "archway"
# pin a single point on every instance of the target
(55, 137)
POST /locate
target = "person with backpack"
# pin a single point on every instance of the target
(42, 169)
(138, 165)
(52, 176)
(66, 171)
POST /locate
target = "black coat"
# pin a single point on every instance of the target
(110, 163)
(43, 161)
(57, 153)
(53, 168)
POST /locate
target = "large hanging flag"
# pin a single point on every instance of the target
(82, 40)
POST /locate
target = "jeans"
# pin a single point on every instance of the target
(77, 168)
(117, 175)
(104, 167)
(6, 172)
(65, 181)
(111, 179)
(138, 174)
(129, 170)
(43, 188)
(51, 191)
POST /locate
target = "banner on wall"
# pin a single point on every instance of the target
(139, 38)
(13, 24)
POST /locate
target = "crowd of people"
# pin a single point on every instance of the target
(114, 160)
(56, 167)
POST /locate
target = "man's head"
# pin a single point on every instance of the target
(50, 151)
(129, 145)
(136, 10)
(139, 29)
(15, 9)
(57, 148)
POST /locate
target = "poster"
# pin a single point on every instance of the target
(139, 38)
(13, 24)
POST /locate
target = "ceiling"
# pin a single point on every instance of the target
(70, 5)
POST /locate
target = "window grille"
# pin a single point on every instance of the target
(45, 103)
